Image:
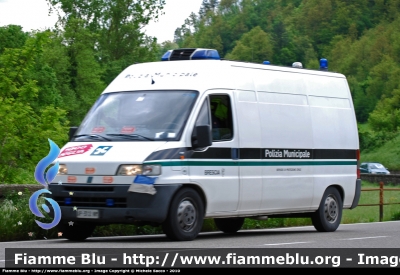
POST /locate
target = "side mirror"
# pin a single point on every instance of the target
(202, 136)
(72, 131)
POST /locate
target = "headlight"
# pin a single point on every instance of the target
(133, 170)
(62, 169)
(129, 170)
(151, 170)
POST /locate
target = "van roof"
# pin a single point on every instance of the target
(198, 75)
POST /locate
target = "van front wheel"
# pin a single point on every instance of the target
(185, 216)
(329, 214)
(229, 225)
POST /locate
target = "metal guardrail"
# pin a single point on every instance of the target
(381, 203)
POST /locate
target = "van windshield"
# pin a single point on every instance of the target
(137, 115)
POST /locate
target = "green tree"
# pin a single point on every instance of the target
(24, 129)
(12, 36)
(208, 6)
(117, 26)
(56, 54)
(209, 37)
(85, 72)
(254, 46)
(386, 116)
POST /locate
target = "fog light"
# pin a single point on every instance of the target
(109, 202)
(68, 201)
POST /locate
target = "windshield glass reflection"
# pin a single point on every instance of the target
(137, 115)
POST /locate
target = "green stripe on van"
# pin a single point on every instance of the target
(249, 163)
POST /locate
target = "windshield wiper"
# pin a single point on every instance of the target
(133, 136)
(92, 136)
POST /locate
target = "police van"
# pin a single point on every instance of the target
(194, 137)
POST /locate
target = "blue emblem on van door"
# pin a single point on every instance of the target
(101, 150)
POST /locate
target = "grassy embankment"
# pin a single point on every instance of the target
(18, 223)
(387, 154)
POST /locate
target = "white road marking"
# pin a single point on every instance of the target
(285, 243)
(375, 237)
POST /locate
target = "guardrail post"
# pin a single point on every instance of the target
(381, 201)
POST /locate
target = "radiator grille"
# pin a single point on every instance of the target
(89, 195)
(80, 202)
(89, 188)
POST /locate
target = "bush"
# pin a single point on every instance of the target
(370, 140)
(17, 222)
(396, 217)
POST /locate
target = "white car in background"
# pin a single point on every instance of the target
(373, 168)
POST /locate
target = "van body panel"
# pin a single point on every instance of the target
(105, 157)
(289, 134)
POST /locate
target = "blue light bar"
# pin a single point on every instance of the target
(266, 63)
(323, 64)
(190, 54)
(109, 202)
(68, 201)
(166, 56)
(205, 54)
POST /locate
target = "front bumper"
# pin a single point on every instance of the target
(128, 207)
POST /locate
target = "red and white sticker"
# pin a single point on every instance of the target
(127, 130)
(90, 170)
(98, 130)
(108, 179)
(75, 150)
(71, 179)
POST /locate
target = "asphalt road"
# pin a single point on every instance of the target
(366, 235)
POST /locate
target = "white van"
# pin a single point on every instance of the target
(194, 137)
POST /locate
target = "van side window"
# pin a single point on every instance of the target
(221, 117)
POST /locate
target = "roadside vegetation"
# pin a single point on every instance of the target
(18, 223)
(387, 154)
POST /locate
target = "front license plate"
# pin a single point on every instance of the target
(87, 213)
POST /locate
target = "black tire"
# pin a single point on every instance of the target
(77, 231)
(185, 216)
(229, 225)
(329, 214)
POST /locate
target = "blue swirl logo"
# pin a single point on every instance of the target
(45, 178)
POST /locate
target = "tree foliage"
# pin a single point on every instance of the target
(50, 79)
(361, 39)
(254, 45)
(116, 27)
(12, 37)
(25, 127)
